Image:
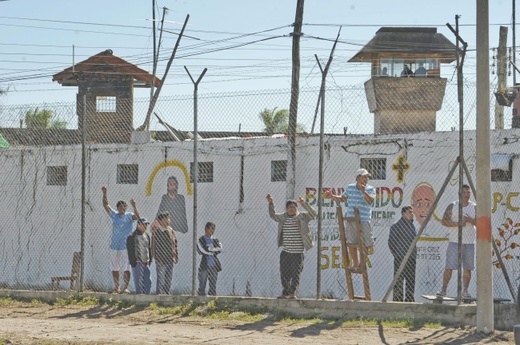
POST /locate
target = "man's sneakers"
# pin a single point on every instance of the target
(441, 294)
(465, 295)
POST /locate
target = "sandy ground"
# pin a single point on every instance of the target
(48, 325)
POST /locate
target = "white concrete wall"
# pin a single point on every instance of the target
(42, 223)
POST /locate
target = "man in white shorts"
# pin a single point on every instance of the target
(450, 219)
(122, 223)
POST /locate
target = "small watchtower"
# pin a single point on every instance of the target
(108, 83)
(406, 89)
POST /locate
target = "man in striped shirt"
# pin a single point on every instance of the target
(294, 237)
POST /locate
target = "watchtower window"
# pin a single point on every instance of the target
(106, 104)
(395, 67)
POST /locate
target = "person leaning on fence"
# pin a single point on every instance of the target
(400, 239)
(164, 252)
(358, 195)
(451, 220)
(209, 247)
(294, 237)
(122, 222)
(138, 245)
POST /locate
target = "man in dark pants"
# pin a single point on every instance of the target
(294, 237)
(401, 237)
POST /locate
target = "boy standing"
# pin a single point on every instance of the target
(209, 247)
(164, 252)
(139, 255)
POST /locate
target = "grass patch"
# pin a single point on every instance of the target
(76, 300)
(213, 309)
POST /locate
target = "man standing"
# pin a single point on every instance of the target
(400, 239)
(294, 237)
(138, 245)
(451, 220)
(164, 252)
(358, 195)
(209, 247)
(122, 222)
(175, 205)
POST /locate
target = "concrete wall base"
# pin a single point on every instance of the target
(448, 314)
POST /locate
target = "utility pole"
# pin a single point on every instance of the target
(485, 307)
(154, 53)
(195, 174)
(324, 73)
(502, 75)
(295, 92)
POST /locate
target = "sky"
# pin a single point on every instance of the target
(245, 45)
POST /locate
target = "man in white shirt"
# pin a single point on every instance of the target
(450, 219)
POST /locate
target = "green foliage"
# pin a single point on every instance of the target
(76, 300)
(42, 119)
(277, 121)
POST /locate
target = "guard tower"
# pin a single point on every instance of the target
(108, 83)
(405, 90)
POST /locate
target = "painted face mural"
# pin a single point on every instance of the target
(423, 197)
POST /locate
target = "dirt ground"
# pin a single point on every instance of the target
(50, 325)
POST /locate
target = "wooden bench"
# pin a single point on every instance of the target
(74, 274)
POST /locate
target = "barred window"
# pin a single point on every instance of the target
(56, 176)
(375, 166)
(127, 174)
(278, 171)
(106, 104)
(502, 167)
(205, 172)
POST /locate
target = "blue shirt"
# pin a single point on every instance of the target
(210, 260)
(121, 229)
(355, 198)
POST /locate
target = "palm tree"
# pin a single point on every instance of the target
(274, 121)
(277, 121)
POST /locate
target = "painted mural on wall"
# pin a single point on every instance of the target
(172, 202)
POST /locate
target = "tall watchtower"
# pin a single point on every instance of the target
(107, 82)
(406, 89)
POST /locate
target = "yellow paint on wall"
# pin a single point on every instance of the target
(165, 164)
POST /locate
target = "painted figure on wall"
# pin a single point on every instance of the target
(175, 205)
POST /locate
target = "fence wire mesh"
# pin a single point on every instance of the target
(404, 131)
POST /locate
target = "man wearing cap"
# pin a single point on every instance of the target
(139, 255)
(358, 195)
(122, 222)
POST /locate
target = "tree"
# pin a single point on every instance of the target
(42, 119)
(277, 121)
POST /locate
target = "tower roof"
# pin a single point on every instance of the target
(105, 62)
(409, 42)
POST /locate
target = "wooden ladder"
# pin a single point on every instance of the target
(363, 257)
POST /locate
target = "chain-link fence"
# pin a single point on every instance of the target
(404, 131)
